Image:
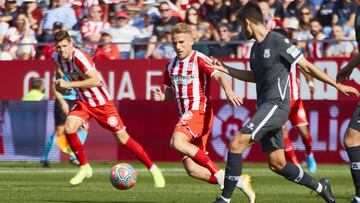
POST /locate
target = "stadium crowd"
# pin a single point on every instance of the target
(121, 29)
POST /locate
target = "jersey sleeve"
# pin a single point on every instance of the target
(204, 67)
(287, 50)
(167, 79)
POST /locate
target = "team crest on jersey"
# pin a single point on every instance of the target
(112, 121)
(266, 53)
(187, 116)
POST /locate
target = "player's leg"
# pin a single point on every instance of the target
(277, 163)
(299, 120)
(289, 150)
(352, 146)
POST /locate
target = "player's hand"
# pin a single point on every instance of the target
(344, 74)
(62, 87)
(234, 100)
(215, 64)
(347, 90)
(157, 94)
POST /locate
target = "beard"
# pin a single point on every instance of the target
(248, 35)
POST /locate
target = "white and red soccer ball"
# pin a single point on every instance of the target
(123, 176)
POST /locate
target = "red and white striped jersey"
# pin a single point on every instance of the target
(75, 70)
(316, 49)
(294, 83)
(94, 28)
(190, 80)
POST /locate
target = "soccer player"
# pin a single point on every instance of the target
(352, 133)
(63, 104)
(299, 120)
(187, 80)
(271, 58)
(94, 100)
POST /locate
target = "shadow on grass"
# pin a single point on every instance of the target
(99, 201)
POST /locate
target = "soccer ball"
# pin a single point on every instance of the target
(123, 176)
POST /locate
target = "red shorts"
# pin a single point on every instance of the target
(197, 126)
(297, 115)
(106, 115)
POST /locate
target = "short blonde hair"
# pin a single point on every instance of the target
(180, 28)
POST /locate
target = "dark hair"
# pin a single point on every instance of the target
(187, 15)
(61, 35)
(252, 12)
(36, 83)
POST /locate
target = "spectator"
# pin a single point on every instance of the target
(47, 50)
(37, 90)
(92, 29)
(276, 9)
(21, 33)
(293, 10)
(33, 13)
(217, 12)
(146, 26)
(10, 12)
(268, 18)
(325, 15)
(166, 20)
(316, 47)
(291, 28)
(339, 47)
(303, 33)
(124, 33)
(60, 11)
(198, 42)
(344, 14)
(192, 16)
(164, 50)
(223, 49)
(107, 50)
(3, 29)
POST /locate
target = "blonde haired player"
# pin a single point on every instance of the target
(187, 80)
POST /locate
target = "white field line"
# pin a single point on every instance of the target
(253, 171)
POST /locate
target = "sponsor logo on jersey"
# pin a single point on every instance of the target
(266, 53)
(286, 40)
(112, 121)
(183, 79)
(251, 126)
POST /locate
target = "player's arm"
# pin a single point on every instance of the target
(61, 100)
(345, 73)
(310, 81)
(311, 69)
(92, 80)
(244, 75)
(224, 83)
(167, 95)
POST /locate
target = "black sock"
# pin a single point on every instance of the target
(297, 175)
(232, 174)
(354, 156)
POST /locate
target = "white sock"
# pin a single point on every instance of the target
(239, 183)
(319, 188)
(153, 168)
(85, 166)
(357, 198)
(220, 176)
(225, 199)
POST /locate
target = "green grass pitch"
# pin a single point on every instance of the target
(27, 182)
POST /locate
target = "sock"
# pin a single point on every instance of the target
(308, 144)
(232, 174)
(297, 175)
(354, 156)
(212, 180)
(203, 160)
(289, 150)
(48, 147)
(77, 148)
(82, 135)
(139, 152)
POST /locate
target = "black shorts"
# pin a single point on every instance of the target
(266, 125)
(355, 119)
(60, 116)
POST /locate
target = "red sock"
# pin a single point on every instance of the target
(139, 152)
(290, 151)
(308, 144)
(212, 180)
(77, 148)
(203, 160)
